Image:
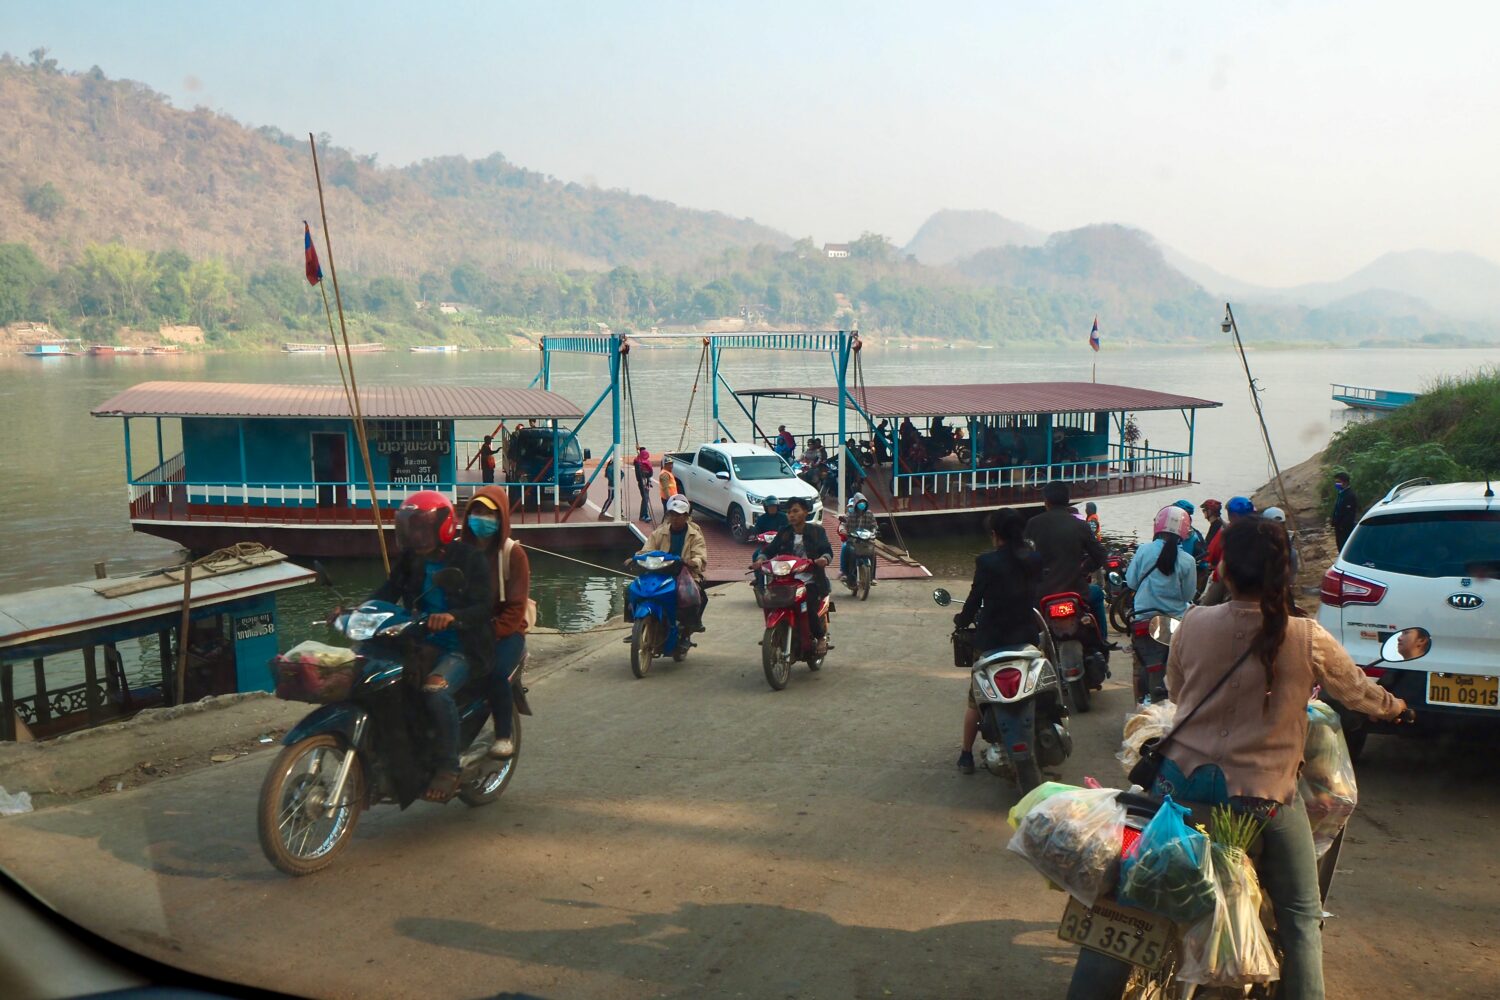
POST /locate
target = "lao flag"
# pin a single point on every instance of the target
(1093, 334)
(314, 269)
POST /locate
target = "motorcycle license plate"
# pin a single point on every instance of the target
(1464, 690)
(1130, 935)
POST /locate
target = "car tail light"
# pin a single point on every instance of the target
(1340, 588)
(1018, 748)
(1008, 681)
(1062, 609)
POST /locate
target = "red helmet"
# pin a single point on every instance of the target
(425, 521)
(1212, 506)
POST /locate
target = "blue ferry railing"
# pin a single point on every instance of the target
(1122, 464)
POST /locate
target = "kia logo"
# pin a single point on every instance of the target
(1465, 602)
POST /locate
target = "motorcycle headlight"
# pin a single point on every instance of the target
(782, 567)
(654, 563)
(864, 534)
(363, 624)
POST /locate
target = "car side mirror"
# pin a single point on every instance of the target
(1407, 644)
(941, 598)
(449, 578)
(587, 454)
(722, 477)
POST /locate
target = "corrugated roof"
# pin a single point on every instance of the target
(992, 399)
(379, 402)
(35, 615)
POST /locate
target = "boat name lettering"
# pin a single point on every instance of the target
(254, 626)
(409, 447)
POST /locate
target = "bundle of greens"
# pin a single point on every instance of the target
(1169, 872)
(1229, 946)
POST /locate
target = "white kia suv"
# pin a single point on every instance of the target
(1426, 555)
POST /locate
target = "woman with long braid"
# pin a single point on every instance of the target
(1241, 741)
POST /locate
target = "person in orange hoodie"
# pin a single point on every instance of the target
(487, 528)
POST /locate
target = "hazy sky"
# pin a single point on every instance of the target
(1278, 142)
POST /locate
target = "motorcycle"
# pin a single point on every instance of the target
(788, 637)
(1150, 637)
(862, 571)
(360, 748)
(651, 604)
(1082, 673)
(1023, 713)
(1150, 944)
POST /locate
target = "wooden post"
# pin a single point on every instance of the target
(7, 703)
(164, 654)
(179, 685)
(90, 685)
(101, 569)
(43, 710)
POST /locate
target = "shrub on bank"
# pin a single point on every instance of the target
(1450, 434)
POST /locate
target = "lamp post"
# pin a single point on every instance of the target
(1228, 325)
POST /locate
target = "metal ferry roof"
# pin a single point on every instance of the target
(991, 399)
(36, 615)
(379, 402)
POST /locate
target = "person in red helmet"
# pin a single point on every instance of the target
(457, 619)
(1212, 511)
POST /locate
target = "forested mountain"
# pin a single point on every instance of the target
(86, 159)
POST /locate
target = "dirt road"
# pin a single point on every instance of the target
(694, 834)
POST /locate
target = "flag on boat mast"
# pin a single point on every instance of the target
(310, 254)
(1094, 343)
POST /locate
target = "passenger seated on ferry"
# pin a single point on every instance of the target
(1001, 605)
(458, 622)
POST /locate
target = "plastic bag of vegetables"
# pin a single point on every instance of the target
(1229, 946)
(1327, 784)
(1146, 721)
(1169, 872)
(1035, 797)
(1073, 838)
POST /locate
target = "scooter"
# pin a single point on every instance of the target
(1082, 673)
(359, 748)
(1150, 636)
(788, 637)
(1023, 713)
(862, 570)
(1148, 945)
(651, 604)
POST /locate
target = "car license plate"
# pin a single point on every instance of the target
(1465, 690)
(1130, 935)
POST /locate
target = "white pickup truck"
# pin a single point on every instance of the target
(730, 480)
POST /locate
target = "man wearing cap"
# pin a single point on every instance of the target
(1345, 509)
(678, 535)
(668, 482)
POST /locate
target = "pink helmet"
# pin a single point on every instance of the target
(1173, 519)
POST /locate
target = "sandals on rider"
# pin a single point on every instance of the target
(443, 787)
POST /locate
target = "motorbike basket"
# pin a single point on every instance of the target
(778, 597)
(318, 676)
(964, 652)
(862, 547)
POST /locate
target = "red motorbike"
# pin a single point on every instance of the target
(785, 600)
(1082, 673)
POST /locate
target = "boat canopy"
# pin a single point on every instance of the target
(378, 402)
(989, 399)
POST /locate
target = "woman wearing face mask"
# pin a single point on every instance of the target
(487, 528)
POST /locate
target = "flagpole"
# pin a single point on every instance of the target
(359, 420)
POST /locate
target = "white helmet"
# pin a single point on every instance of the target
(1274, 514)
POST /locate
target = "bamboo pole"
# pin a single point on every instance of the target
(359, 419)
(1265, 433)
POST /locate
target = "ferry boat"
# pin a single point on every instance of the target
(112, 350)
(434, 349)
(367, 347)
(280, 464)
(58, 348)
(90, 628)
(164, 349)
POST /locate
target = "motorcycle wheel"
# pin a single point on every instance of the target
(1122, 612)
(1079, 692)
(491, 783)
(294, 834)
(864, 581)
(962, 454)
(643, 645)
(773, 657)
(1028, 774)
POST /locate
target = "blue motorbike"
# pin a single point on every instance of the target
(370, 741)
(651, 603)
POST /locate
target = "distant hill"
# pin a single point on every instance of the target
(1214, 282)
(1462, 285)
(84, 158)
(952, 234)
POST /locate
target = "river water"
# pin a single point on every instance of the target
(64, 498)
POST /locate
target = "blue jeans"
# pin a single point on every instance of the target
(508, 653)
(438, 692)
(1288, 869)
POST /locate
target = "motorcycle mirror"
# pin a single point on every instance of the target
(1163, 628)
(942, 598)
(1407, 644)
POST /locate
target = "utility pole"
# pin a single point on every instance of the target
(1229, 326)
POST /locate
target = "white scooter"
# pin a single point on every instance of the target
(1023, 716)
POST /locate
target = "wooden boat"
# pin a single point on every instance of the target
(60, 348)
(298, 348)
(164, 349)
(1363, 398)
(112, 350)
(435, 349)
